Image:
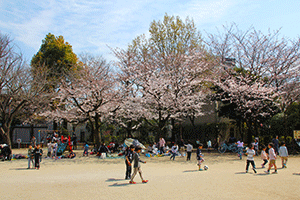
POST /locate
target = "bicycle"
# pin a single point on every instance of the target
(224, 147)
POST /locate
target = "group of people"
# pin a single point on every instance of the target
(132, 156)
(34, 156)
(273, 151)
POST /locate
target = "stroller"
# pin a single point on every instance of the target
(5, 152)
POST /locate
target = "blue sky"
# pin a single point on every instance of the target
(93, 25)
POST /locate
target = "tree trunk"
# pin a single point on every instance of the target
(4, 131)
(97, 130)
(249, 132)
(173, 129)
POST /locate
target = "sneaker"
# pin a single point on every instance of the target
(275, 172)
(145, 181)
(200, 169)
(132, 182)
(246, 171)
(254, 170)
(268, 172)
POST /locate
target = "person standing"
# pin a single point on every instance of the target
(37, 154)
(275, 141)
(200, 156)
(162, 144)
(86, 149)
(49, 147)
(240, 145)
(128, 161)
(54, 147)
(250, 158)
(174, 151)
(30, 156)
(74, 141)
(137, 166)
(272, 158)
(283, 153)
(189, 149)
(208, 145)
(33, 142)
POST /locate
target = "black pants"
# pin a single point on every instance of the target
(265, 162)
(188, 155)
(128, 171)
(37, 161)
(248, 163)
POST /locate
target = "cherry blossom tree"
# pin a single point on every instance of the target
(249, 97)
(166, 73)
(269, 56)
(91, 97)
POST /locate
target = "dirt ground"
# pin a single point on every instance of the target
(93, 178)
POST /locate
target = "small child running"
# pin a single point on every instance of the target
(283, 153)
(199, 156)
(250, 158)
(264, 156)
(174, 151)
(272, 158)
(137, 166)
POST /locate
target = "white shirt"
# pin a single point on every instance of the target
(250, 154)
(189, 148)
(272, 155)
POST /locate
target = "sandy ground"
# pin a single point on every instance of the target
(93, 178)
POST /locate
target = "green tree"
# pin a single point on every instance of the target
(57, 58)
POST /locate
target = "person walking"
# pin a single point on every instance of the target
(250, 158)
(37, 154)
(137, 166)
(283, 153)
(272, 158)
(189, 149)
(128, 161)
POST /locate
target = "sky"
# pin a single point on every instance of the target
(95, 26)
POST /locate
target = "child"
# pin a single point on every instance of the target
(30, 156)
(240, 145)
(200, 156)
(283, 153)
(264, 156)
(128, 161)
(250, 153)
(49, 146)
(137, 166)
(54, 146)
(272, 158)
(86, 149)
(174, 151)
(37, 154)
(189, 149)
